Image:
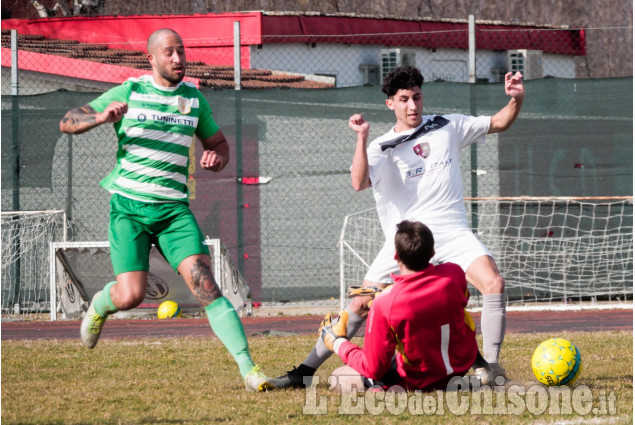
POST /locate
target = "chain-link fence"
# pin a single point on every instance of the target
(573, 137)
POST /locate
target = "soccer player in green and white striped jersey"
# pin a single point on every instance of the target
(156, 118)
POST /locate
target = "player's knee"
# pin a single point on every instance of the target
(497, 285)
(127, 298)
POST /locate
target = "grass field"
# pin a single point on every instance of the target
(194, 381)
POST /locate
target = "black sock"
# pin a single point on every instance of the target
(304, 370)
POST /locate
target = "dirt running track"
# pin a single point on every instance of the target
(517, 322)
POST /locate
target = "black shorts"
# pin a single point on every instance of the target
(389, 379)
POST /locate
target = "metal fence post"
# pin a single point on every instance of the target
(15, 111)
(471, 49)
(237, 55)
(240, 243)
(473, 111)
(14, 62)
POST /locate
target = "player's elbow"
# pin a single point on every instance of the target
(499, 125)
(360, 184)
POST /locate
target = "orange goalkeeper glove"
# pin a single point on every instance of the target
(330, 332)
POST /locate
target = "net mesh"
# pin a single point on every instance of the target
(548, 249)
(25, 259)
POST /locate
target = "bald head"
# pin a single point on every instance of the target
(156, 37)
(166, 54)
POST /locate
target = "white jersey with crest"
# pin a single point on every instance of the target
(416, 174)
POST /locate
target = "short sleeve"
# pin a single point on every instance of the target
(376, 161)
(206, 124)
(119, 93)
(470, 129)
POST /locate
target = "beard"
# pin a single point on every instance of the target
(173, 78)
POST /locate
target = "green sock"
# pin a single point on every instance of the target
(103, 304)
(227, 326)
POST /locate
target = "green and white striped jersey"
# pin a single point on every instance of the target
(155, 137)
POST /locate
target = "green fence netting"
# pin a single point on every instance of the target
(573, 138)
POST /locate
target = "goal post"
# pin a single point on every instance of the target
(551, 250)
(25, 270)
(81, 269)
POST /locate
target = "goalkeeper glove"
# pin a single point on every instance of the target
(330, 332)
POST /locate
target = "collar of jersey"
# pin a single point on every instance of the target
(434, 123)
(159, 87)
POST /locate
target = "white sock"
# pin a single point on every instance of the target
(493, 325)
(320, 353)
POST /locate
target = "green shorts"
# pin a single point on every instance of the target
(136, 225)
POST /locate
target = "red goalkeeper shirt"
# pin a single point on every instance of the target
(422, 320)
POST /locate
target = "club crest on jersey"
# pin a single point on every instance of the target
(184, 105)
(422, 149)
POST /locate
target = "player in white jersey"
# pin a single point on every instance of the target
(155, 118)
(414, 171)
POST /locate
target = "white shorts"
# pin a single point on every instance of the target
(456, 244)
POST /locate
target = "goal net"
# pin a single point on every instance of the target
(81, 269)
(25, 269)
(549, 250)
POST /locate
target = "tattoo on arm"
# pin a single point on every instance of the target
(79, 120)
(204, 285)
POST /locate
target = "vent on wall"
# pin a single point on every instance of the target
(528, 62)
(394, 58)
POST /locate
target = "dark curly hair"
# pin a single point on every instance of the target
(414, 244)
(404, 77)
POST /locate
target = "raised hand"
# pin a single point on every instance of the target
(514, 86)
(358, 124)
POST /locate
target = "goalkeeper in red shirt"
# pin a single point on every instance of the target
(418, 334)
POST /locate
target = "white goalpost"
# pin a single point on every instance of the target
(43, 274)
(552, 251)
(80, 269)
(25, 271)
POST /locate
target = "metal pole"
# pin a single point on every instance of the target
(52, 287)
(471, 27)
(240, 243)
(473, 111)
(14, 62)
(237, 55)
(69, 183)
(15, 123)
(15, 120)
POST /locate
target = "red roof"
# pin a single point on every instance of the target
(97, 62)
(428, 34)
(209, 42)
(216, 30)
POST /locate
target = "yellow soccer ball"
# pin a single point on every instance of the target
(168, 310)
(556, 361)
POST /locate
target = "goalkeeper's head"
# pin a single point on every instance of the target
(414, 245)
